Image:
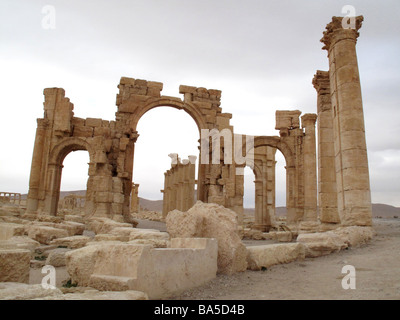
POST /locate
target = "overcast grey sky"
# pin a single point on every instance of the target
(261, 54)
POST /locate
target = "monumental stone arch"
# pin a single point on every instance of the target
(343, 187)
(111, 146)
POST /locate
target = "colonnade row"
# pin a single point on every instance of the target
(179, 184)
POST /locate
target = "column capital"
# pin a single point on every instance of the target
(335, 32)
(321, 82)
(308, 120)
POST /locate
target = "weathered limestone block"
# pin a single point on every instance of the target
(9, 230)
(44, 234)
(259, 257)
(148, 234)
(74, 218)
(73, 228)
(321, 243)
(158, 272)
(109, 237)
(20, 242)
(19, 291)
(107, 295)
(209, 220)
(14, 265)
(73, 242)
(123, 232)
(155, 243)
(56, 257)
(282, 236)
(104, 225)
(80, 263)
(354, 236)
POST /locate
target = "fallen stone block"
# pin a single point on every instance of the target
(73, 242)
(155, 243)
(354, 236)
(283, 236)
(259, 257)
(14, 265)
(209, 220)
(73, 228)
(321, 243)
(110, 237)
(19, 291)
(20, 242)
(148, 234)
(9, 230)
(158, 272)
(45, 234)
(107, 295)
(37, 264)
(56, 257)
(105, 225)
(74, 218)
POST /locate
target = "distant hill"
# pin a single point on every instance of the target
(378, 209)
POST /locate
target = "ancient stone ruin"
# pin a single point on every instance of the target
(102, 246)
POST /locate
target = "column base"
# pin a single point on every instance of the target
(308, 226)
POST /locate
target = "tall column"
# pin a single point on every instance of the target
(310, 168)
(36, 166)
(270, 197)
(352, 175)
(327, 193)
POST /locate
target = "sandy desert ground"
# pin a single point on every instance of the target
(377, 267)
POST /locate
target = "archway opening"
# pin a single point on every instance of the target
(280, 187)
(249, 190)
(74, 179)
(162, 131)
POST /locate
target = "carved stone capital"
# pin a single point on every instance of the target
(321, 82)
(335, 32)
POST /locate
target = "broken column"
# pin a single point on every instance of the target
(327, 193)
(352, 175)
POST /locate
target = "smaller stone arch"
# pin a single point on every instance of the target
(67, 145)
(277, 143)
(291, 175)
(54, 171)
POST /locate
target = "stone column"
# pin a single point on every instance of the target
(270, 188)
(290, 195)
(352, 175)
(327, 192)
(258, 204)
(36, 166)
(135, 198)
(310, 168)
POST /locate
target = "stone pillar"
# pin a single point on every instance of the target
(135, 198)
(352, 175)
(310, 168)
(36, 172)
(327, 193)
(290, 195)
(270, 188)
(258, 204)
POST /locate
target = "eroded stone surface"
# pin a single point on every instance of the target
(208, 220)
